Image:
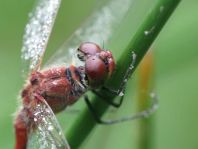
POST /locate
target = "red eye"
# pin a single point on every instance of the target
(96, 71)
(86, 49)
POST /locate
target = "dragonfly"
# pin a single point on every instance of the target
(49, 91)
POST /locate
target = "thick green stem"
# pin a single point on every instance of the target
(139, 42)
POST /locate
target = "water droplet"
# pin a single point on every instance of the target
(161, 8)
(131, 67)
(146, 33)
(36, 113)
(155, 107)
(60, 133)
(50, 128)
(152, 94)
(121, 94)
(38, 30)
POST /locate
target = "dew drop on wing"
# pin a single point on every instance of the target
(45, 132)
(37, 33)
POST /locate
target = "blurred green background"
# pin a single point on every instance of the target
(176, 71)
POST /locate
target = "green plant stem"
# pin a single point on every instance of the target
(139, 43)
(145, 87)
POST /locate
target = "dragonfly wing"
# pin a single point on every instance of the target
(45, 131)
(37, 33)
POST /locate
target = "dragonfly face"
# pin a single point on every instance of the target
(99, 63)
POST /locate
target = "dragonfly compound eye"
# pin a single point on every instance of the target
(87, 49)
(107, 58)
(96, 71)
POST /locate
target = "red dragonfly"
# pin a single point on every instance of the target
(51, 90)
(54, 89)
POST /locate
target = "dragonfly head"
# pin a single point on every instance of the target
(99, 63)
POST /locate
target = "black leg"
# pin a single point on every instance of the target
(112, 103)
(121, 90)
(147, 112)
(92, 110)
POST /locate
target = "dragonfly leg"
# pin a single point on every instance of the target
(121, 90)
(143, 114)
(21, 130)
(112, 103)
(93, 111)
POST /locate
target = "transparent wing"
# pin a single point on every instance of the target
(98, 28)
(45, 131)
(37, 33)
